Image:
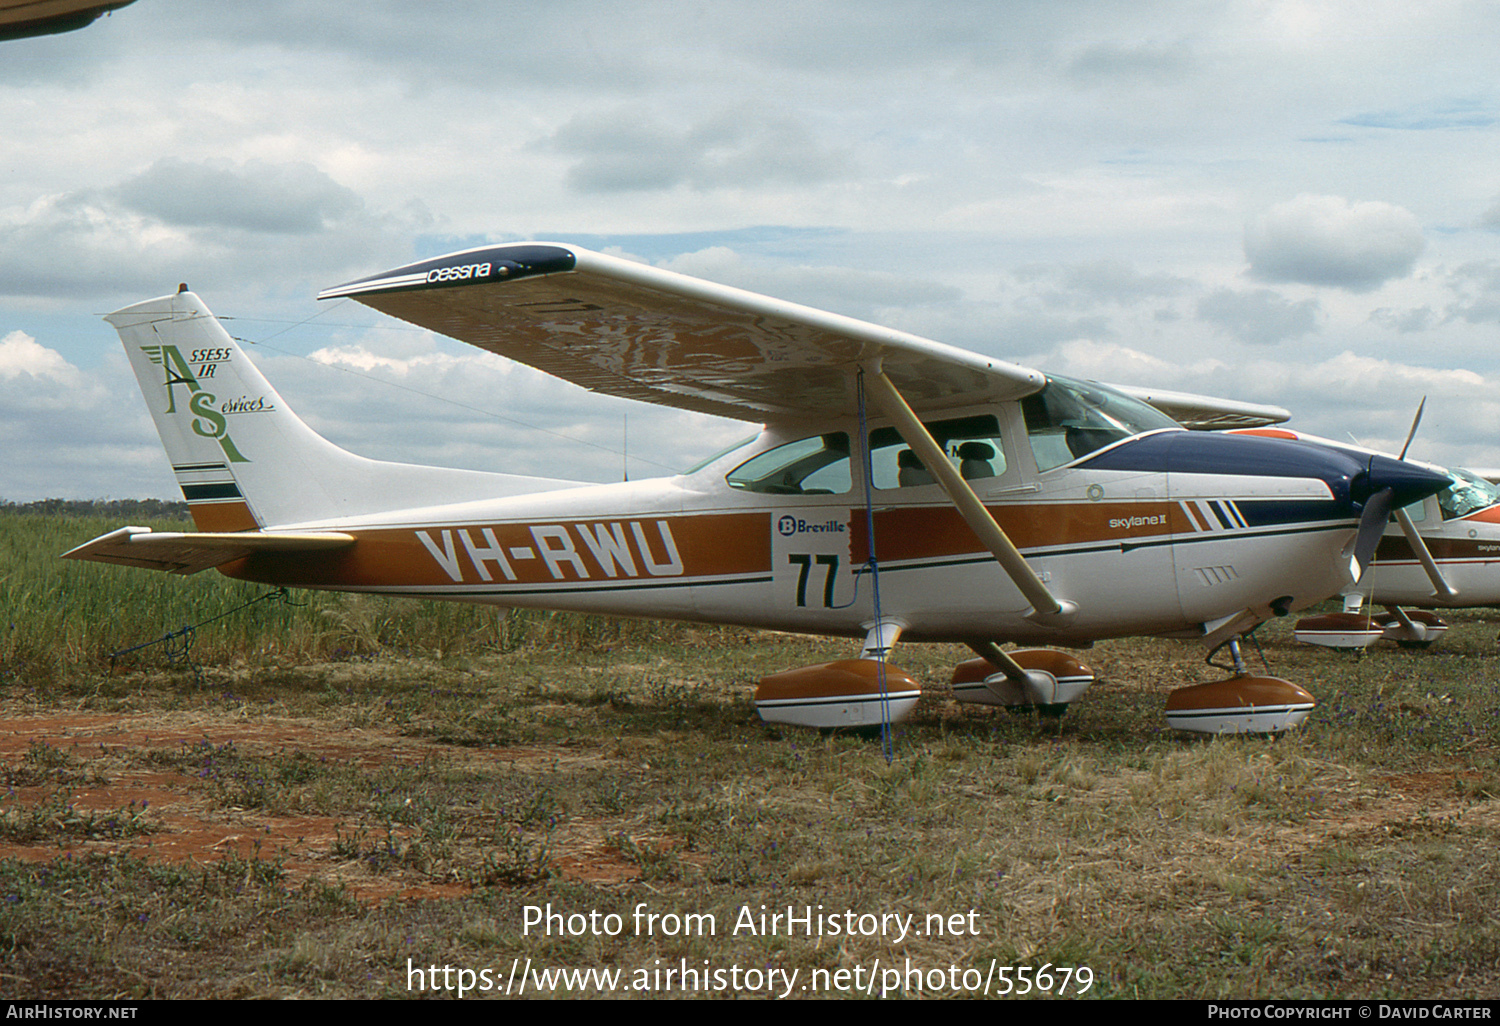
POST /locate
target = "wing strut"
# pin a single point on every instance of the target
(1045, 607)
(1440, 586)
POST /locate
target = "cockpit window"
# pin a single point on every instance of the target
(1069, 419)
(818, 465)
(1469, 493)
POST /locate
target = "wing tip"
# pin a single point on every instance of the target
(483, 265)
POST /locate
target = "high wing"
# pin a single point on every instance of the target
(1206, 413)
(21, 18)
(185, 554)
(631, 330)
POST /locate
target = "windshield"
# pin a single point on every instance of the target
(720, 454)
(1069, 419)
(1469, 493)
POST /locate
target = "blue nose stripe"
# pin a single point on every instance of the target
(1351, 478)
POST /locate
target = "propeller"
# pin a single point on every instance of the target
(1413, 432)
(1373, 520)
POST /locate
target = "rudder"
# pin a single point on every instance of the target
(184, 360)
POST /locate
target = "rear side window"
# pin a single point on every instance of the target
(818, 465)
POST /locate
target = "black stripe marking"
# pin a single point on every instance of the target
(201, 492)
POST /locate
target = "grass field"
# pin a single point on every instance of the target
(345, 796)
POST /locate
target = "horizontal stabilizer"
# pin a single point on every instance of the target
(178, 553)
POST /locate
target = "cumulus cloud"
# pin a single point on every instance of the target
(216, 220)
(1124, 365)
(1476, 288)
(21, 354)
(1490, 219)
(1084, 285)
(844, 290)
(630, 150)
(256, 197)
(1418, 318)
(1326, 240)
(55, 441)
(1261, 317)
(1372, 400)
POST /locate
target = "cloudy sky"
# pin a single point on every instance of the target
(1286, 202)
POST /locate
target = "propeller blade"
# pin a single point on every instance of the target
(1413, 432)
(1372, 522)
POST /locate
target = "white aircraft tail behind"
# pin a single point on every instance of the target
(243, 459)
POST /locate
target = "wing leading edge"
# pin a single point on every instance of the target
(631, 330)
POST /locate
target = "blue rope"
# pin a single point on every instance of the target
(180, 642)
(887, 742)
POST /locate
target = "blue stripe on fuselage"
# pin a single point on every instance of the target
(1201, 452)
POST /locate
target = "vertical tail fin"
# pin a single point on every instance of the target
(242, 458)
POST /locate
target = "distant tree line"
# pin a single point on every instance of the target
(121, 508)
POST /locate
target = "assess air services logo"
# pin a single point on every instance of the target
(209, 415)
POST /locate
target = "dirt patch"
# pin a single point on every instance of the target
(84, 768)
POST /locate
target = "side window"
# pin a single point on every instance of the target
(972, 444)
(1417, 511)
(809, 466)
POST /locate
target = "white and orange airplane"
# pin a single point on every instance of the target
(1441, 552)
(900, 488)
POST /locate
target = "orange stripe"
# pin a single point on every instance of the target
(222, 516)
(700, 546)
(934, 531)
(1266, 433)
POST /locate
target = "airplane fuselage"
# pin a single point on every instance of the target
(1138, 546)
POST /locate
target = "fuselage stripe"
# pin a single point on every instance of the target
(1121, 546)
(544, 589)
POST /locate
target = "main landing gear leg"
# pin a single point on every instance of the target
(1412, 628)
(1237, 656)
(1042, 678)
(850, 693)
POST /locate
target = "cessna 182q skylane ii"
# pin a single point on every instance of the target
(1441, 552)
(1003, 505)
